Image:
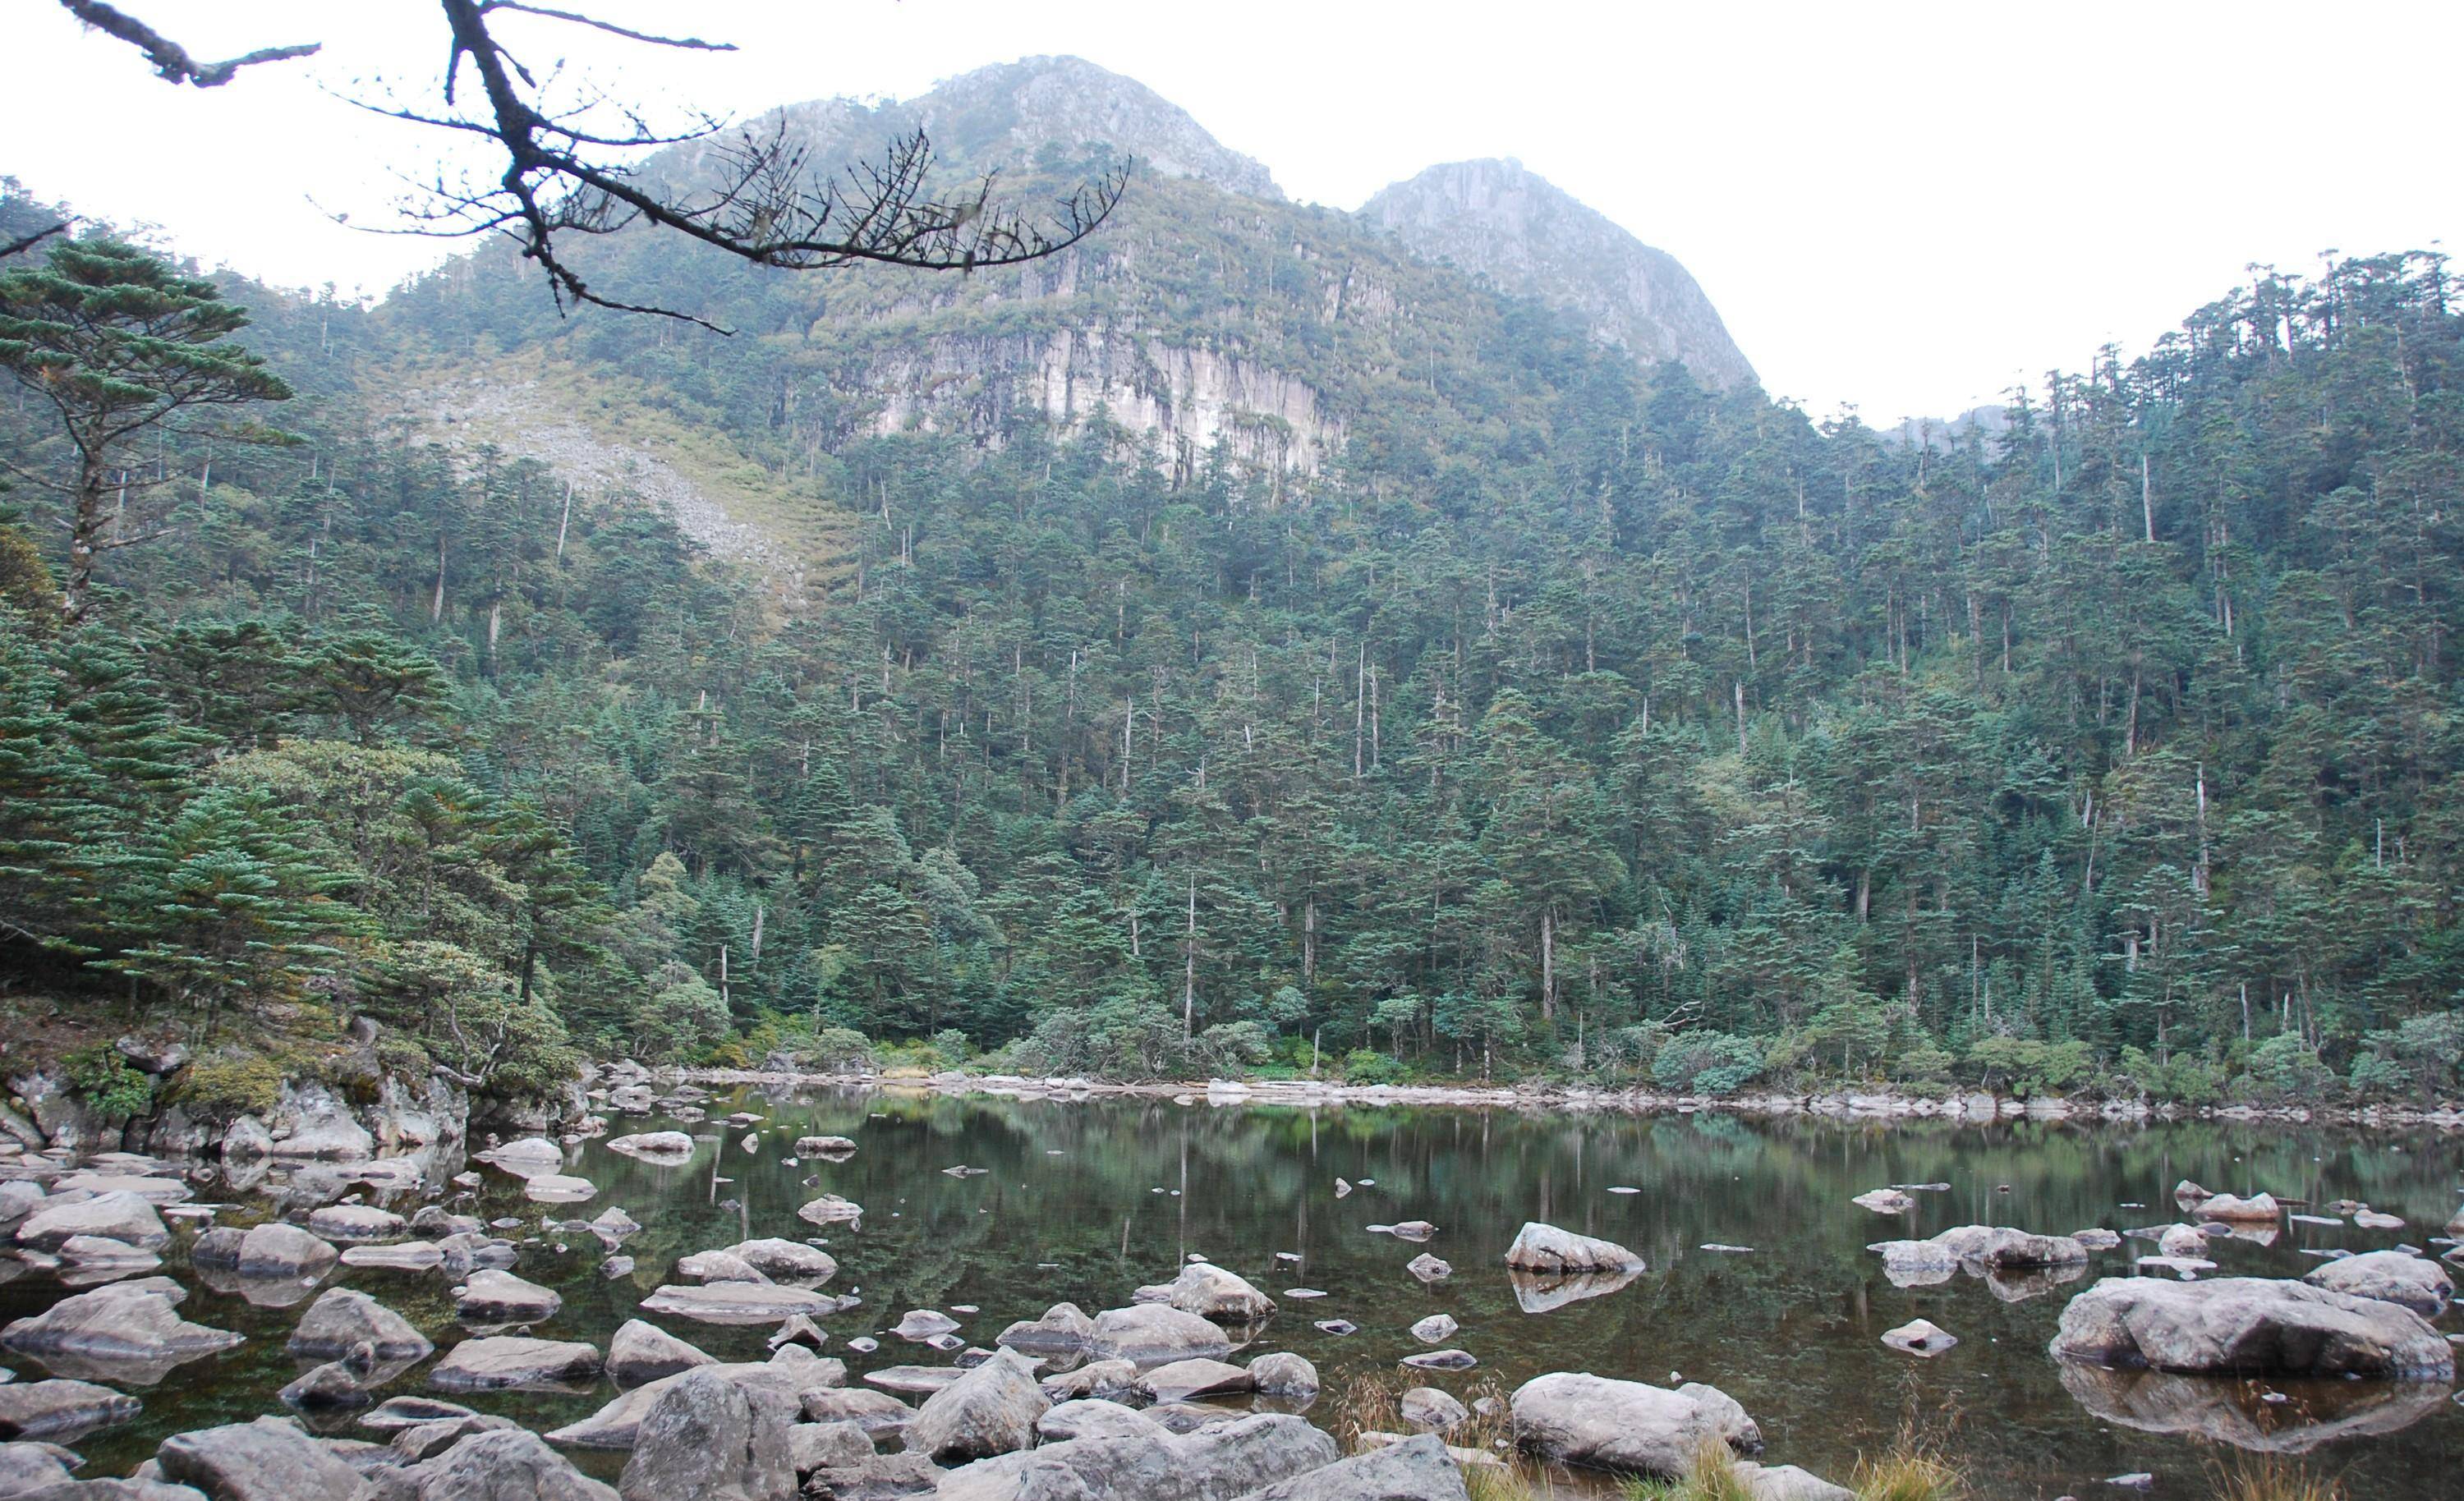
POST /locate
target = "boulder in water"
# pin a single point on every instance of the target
(2249, 1326)
(1549, 1250)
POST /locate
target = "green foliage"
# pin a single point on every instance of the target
(2026, 1066)
(1364, 1066)
(229, 1083)
(2284, 1070)
(1706, 1063)
(1564, 715)
(108, 1083)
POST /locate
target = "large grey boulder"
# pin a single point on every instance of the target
(30, 1467)
(490, 1296)
(2415, 1282)
(272, 1250)
(1154, 1333)
(60, 1409)
(267, 1460)
(641, 1352)
(708, 1439)
(1580, 1419)
(1220, 1464)
(1282, 1374)
(127, 1217)
(502, 1362)
(1210, 1292)
(2249, 1326)
(1183, 1380)
(794, 1373)
(342, 1318)
(990, 1410)
(1416, 1470)
(1091, 1418)
(819, 1446)
(1551, 1251)
(310, 1122)
(131, 1321)
(507, 1464)
(878, 1414)
(1063, 1327)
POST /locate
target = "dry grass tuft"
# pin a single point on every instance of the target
(2253, 1478)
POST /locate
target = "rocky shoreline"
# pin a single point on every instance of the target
(1974, 1108)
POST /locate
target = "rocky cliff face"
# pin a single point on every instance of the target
(1189, 399)
(1529, 237)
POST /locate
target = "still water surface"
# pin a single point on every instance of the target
(1084, 1201)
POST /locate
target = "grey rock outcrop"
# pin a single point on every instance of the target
(507, 1464)
(2415, 1282)
(1154, 1333)
(1416, 1470)
(1580, 1419)
(709, 1439)
(1546, 1251)
(990, 1410)
(267, 1460)
(342, 1319)
(2249, 1326)
(1220, 1464)
(504, 1362)
(641, 1352)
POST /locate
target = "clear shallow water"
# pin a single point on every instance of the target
(1070, 1210)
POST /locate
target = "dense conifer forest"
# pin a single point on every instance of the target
(1569, 719)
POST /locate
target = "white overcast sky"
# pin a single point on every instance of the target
(1903, 206)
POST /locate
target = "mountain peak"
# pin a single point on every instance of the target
(1497, 218)
(1010, 109)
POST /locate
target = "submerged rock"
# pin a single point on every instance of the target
(1884, 1201)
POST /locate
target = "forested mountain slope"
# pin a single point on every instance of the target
(1243, 638)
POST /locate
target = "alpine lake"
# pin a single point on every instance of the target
(1759, 1280)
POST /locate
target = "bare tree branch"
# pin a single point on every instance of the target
(565, 174)
(171, 60)
(20, 246)
(609, 27)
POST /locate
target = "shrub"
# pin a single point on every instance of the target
(1368, 1066)
(108, 1083)
(1706, 1063)
(2026, 1066)
(234, 1083)
(2285, 1067)
(2416, 1059)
